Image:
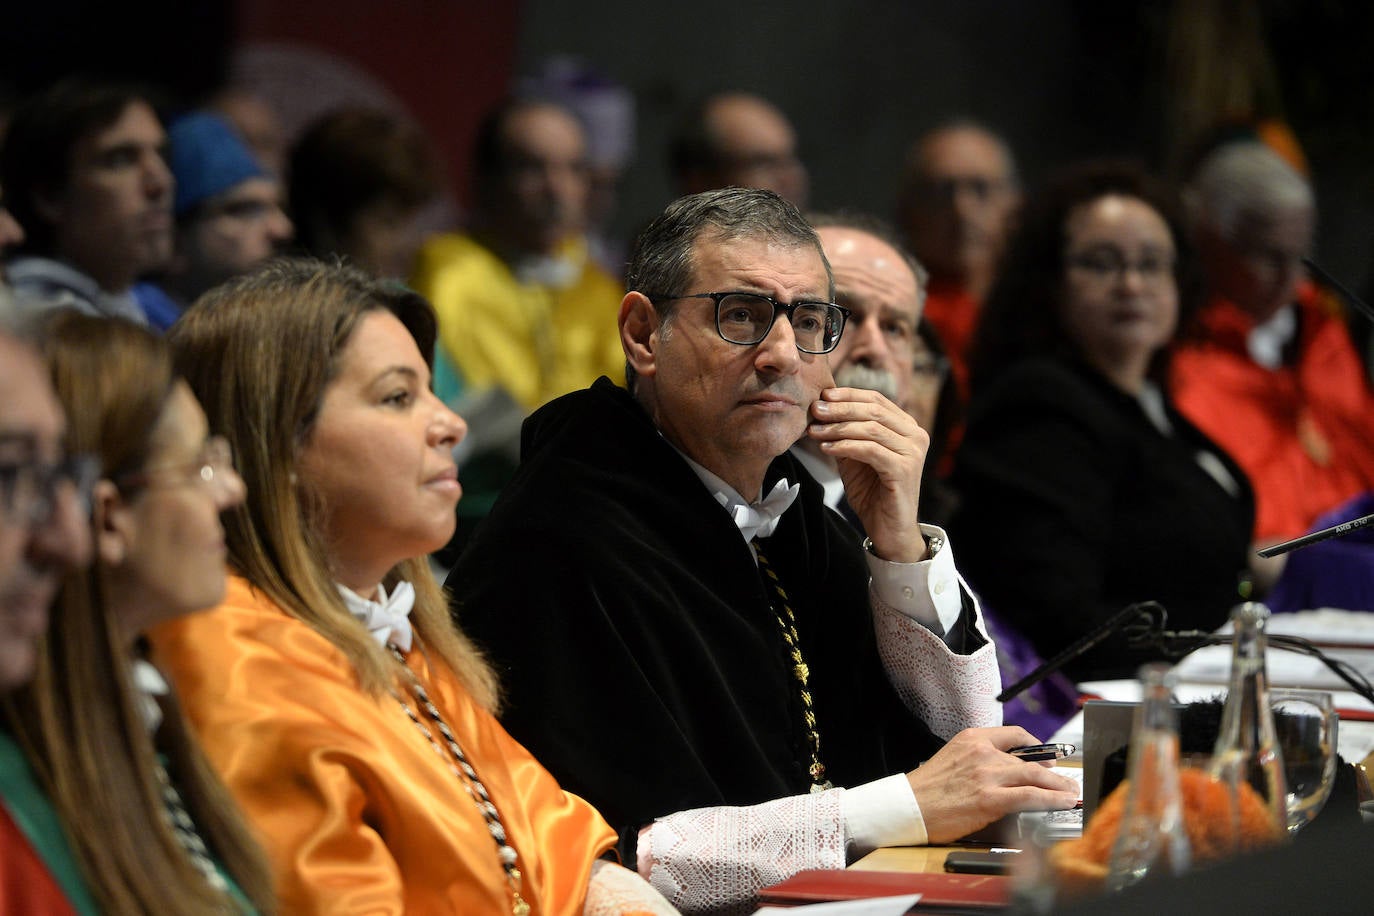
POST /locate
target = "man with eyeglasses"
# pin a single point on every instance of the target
(43, 535)
(43, 530)
(883, 289)
(228, 210)
(742, 140)
(689, 638)
(1273, 378)
(959, 191)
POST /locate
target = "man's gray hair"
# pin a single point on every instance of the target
(881, 230)
(661, 264)
(1245, 179)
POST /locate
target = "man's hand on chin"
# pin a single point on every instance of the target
(880, 452)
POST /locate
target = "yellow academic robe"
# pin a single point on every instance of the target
(356, 810)
(534, 340)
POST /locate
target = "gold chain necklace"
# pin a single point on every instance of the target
(787, 623)
(467, 775)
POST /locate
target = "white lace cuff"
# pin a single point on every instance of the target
(716, 859)
(947, 691)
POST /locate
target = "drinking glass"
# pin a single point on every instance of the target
(1305, 722)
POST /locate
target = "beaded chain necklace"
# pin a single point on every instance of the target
(185, 830)
(787, 625)
(463, 770)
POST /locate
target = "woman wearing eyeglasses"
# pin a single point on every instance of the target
(1082, 489)
(349, 717)
(151, 827)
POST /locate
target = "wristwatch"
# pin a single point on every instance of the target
(934, 544)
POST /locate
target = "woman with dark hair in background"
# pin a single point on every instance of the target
(152, 828)
(350, 718)
(1082, 489)
(359, 181)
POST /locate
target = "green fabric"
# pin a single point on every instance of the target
(28, 805)
(448, 381)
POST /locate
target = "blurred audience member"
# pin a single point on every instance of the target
(958, 194)
(84, 175)
(152, 828)
(1081, 488)
(522, 307)
(228, 215)
(1274, 377)
(257, 123)
(607, 111)
(42, 535)
(889, 347)
(360, 181)
(735, 139)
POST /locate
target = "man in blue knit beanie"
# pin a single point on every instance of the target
(228, 214)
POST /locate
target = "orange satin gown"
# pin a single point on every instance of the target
(356, 810)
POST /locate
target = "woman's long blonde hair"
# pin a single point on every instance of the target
(259, 353)
(77, 719)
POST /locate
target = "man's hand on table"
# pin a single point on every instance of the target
(972, 782)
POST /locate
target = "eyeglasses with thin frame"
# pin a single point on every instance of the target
(29, 489)
(1110, 265)
(747, 318)
(931, 368)
(215, 459)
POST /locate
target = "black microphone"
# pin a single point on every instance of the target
(1335, 531)
(1134, 620)
(1343, 528)
(1175, 644)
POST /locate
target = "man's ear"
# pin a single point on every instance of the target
(639, 320)
(111, 521)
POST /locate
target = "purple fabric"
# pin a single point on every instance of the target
(1042, 709)
(1337, 573)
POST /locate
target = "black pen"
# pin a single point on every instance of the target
(1035, 752)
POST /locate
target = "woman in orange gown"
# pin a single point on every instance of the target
(350, 718)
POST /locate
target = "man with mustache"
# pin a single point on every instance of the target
(690, 639)
(522, 306)
(884, 289)
(84, 174)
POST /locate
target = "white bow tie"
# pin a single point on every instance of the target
(761, 519)
(387, 620)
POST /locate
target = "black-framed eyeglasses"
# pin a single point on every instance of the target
(932, 367)
(1109, 265)
(215, 459)
(28, 489)
(746, 319)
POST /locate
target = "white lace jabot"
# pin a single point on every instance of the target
(388, 618)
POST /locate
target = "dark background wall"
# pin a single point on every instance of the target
(1062, 78)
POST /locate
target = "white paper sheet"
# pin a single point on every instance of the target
(876, 906)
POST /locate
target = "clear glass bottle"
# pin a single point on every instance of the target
(1247, 749)
(1151, 840)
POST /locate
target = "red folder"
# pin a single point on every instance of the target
(938, 890)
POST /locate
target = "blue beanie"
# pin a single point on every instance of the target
(208, 158)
